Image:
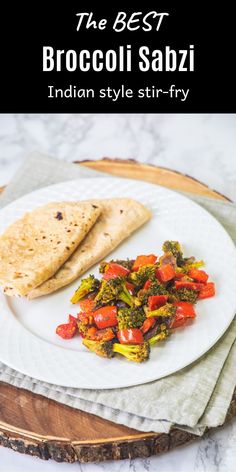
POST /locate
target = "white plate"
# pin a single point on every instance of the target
(28, 342)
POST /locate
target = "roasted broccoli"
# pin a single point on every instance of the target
(155, 289)
(145, 273)
(128, 264)
(174, 248)
(130, 318)
(101, 348)
(133, 352)
(184, 295)
(158, 337)
(164, 311)
(87, 286)
(113, 290)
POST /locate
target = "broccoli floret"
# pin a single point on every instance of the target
(101, 348)
(130, 318)
(113, 290)
(159, 337)
(164, 311)
(128, 264)
(133, 352)
(174, 248)
(155, 289)
(145, 273)
(87, 286)
(184, 295)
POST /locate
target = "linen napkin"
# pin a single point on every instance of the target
(194, 398)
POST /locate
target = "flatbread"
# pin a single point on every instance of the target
(119, 218)
(33, 248)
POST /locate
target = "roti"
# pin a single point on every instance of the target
(119, 218)
(33, 248)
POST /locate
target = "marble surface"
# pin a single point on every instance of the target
(203, 146)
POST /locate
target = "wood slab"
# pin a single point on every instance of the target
(34, 425)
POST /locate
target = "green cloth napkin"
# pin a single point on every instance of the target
(194, 398)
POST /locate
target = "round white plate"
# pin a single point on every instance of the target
(28, 342)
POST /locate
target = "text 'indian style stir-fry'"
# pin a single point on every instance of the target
(137, 303)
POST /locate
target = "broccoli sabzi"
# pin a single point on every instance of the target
(113, 290)
(101, 348)
(141, 276)
(137, 303)
(130, 318)
(133, 352)
(88, 285)
(165, 311)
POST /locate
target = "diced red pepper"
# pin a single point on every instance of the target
(179, 275)
(144, 260)
(207, 291)
(147, 285)
(103, 335)
(184, 310)
(156, 301)
(198, 275)
(130, 287)
(73, 320)
(105, 317)
(165, 273)
(147, 324)
(87, 304)
(190, 285)
(115, 270)
(130, 336)
(66, 330)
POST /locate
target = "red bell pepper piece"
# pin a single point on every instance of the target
(156, 301)
(165, 273)
(130, 287)
(130, 336)
(115, 270)
(66, 330)
(198, 275)
(148, 324)
(184, 310)
(143, 260)
(179, 275)
(105, 317)
(191, 285)
(103, 335)
(87, 305)
(73, 320)
(207, 291)
(147, 285)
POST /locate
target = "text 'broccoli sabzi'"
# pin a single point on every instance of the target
(137, 303)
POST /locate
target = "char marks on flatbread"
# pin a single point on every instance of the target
(33, 248)
(119, 218)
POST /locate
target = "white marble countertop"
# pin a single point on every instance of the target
(203, 146)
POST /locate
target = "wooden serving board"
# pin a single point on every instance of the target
(35, 425)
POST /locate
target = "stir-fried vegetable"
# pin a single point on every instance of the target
(137, 303)
(87, 286)
(133, 352)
